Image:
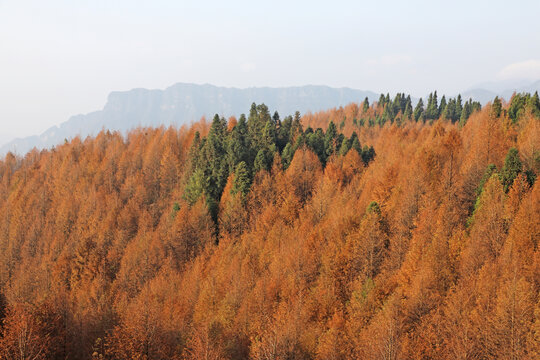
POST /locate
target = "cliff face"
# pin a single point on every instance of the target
(183, 103)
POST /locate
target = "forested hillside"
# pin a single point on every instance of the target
(372, 231)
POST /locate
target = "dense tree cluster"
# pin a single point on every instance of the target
(400, 110)
(269, 238)
(248, 146)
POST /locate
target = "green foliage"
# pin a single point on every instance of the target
(408, 112)
(511, 168)
(287, 155)
(237, 145)
(419, 110)
(196, 186)
(242, 180)
(345, 147)
(368, 154)
(251, 145)
(534, 104)
(261, 162)
(432, 109)
(329, 140)
(355, 144)
(496, 108)
(373, 208)
(517, 106)
(283, 132)
(490, 170)
(316, 141)
(442, 106)
(365, 105)
(175, 209)
(468, 109)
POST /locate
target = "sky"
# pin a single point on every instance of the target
(61, 58)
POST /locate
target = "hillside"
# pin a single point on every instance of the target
(370, 231)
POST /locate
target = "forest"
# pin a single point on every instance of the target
(370, 231)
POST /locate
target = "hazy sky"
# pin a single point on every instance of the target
(60, 58)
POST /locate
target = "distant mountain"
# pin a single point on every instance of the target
(183, 103)
(486, 92)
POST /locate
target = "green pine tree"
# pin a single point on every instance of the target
(242, 181)
(511, 168)
(418, 110)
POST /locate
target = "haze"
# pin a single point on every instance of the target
(60, 58)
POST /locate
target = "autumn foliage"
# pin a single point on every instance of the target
(426, 246)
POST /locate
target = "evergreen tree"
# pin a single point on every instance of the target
(355, 144)
(261, 162)
(365, 105)
(283, 133)
(258, 117)
(296, 127)
(407, 113)
(511, 168)
(194, 151)
(214, 152)
(418, 110)
(458, 108)
(316, 142)
(442, 106)
(449, 110)
(490, 170)
(287, 155)
(432, 110)
(534, 104)
(242, 181)
(276, 119)
(517, 106)
(195, 187)
(237, 145)
(269, 134)
(382, 101)
(329, 139)
(368, 154)
(496, 108)
(345, 147)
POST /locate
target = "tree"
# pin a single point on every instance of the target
(261, 162)
(329, 139)
(24, 336)
(365, 105)
(419, 110)
(534, 104)
(241, 179)
(432, 109)
(512, 167)
(496, 107)
(344, 148)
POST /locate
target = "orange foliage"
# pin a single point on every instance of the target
(407, 257)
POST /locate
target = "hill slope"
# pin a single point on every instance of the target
(168, 244)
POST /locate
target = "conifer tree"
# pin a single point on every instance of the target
(241, 179)
(329, 139)
(496, 108)
(365, 105)
(261, 162)
(511, 168)
(418, 110)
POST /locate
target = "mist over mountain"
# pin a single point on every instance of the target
(486, 92)
(183, 103)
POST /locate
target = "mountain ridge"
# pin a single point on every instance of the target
(183, 103)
